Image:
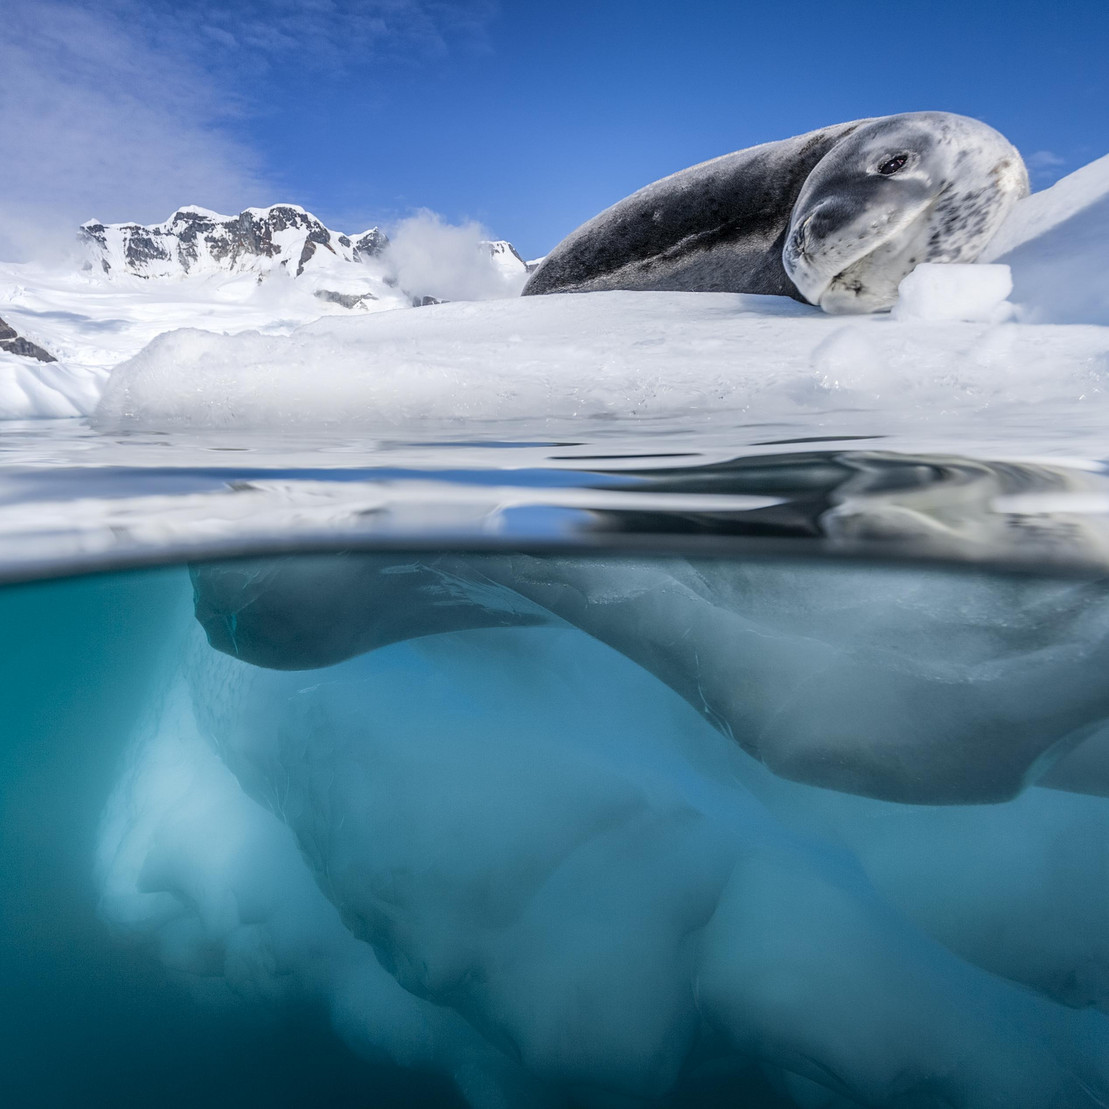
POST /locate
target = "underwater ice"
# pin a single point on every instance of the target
(512, 855)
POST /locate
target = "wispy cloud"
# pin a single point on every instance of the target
(1045, 159)
(325, 34)
(1045, 167)
(125, 109)
(98, 121)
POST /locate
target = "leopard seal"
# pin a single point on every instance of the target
(835, 217)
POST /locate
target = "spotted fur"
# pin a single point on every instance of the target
(808, 217)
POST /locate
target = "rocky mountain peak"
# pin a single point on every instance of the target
(196, 240)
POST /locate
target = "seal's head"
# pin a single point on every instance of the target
(894, 192)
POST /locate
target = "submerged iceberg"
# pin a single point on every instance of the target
(510, 854)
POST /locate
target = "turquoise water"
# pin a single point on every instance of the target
(89, 1018)
(560, 827)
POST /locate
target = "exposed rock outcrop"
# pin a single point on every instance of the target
(14, 343)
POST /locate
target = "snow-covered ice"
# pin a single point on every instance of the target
(577, 357)
(257, 354)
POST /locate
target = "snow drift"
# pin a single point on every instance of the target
(1057, 243)
(577, 357)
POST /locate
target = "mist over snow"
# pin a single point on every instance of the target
(448, 261)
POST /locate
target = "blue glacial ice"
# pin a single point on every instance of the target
(515, 857)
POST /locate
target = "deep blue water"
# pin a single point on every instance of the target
(86, 1019)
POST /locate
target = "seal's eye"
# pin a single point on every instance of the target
(889, 167)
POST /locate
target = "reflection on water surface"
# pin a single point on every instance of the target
(57, 517)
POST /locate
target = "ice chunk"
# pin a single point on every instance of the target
(1009, 887)
(992, 691)
(287, 613)
(50, 390)
(955, 291)
(564, 359)
(843, 993)
(190, 864)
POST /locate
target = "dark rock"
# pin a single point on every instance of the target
(144, 245)
(347, 300)
(370, 244)
(14, 343)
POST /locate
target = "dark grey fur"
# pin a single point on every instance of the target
(716, 227)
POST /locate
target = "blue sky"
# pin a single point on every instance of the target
(528, 116)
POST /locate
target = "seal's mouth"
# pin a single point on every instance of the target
(867, 277)
(855, 290)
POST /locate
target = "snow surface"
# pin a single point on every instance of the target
(91, 324)
(1057, 244)
(571, 358)
(278, 355)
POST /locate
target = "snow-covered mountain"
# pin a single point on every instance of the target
(197, 241)
(266, 269)
(283, 239)
(507, 258)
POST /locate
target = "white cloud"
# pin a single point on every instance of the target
(1044, 159)
(120, 109)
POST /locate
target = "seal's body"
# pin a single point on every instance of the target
(836, 217)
